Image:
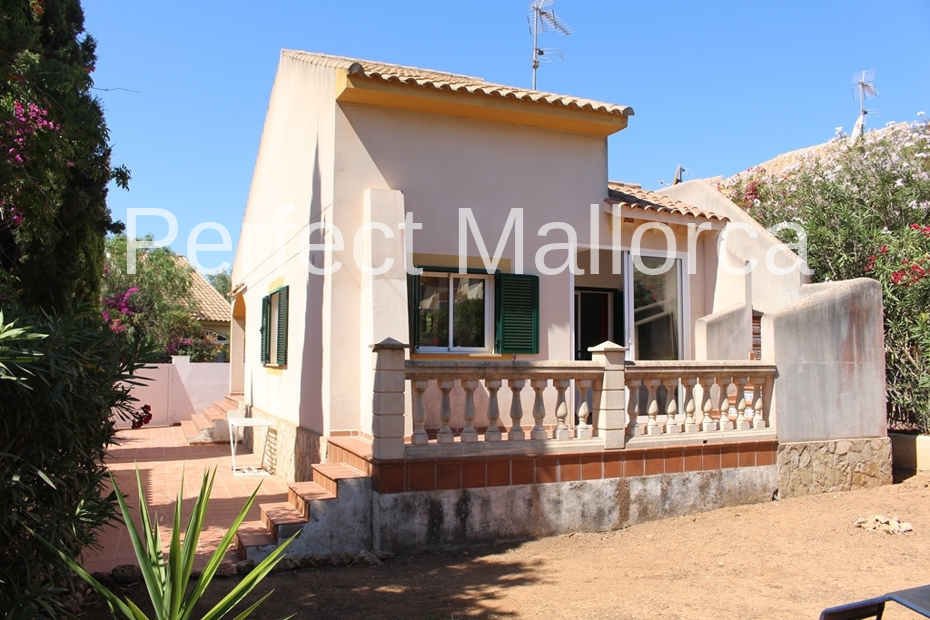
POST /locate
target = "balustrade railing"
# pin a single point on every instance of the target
(672, 397)
(662, 399)
(493, 376)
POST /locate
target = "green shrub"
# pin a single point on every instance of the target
(865, 208)
(56, 423)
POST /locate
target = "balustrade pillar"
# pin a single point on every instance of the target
(419, 413)
(724, 400)
(687, 384)
(445, 413)
(611, 413)
(561, 409)
(652, 408)
(539, 409)
(672, 425)
(758, 421)
(494, 413)
(633, 428)
(516, 432)
(583, 430)
(469, 434)
(708, 425)
(741, 423)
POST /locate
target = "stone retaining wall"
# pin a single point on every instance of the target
(812, 467)
(291, 451)
(414, 521)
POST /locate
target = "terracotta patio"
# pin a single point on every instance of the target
(163, 456)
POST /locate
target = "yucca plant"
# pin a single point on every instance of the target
(167, 577)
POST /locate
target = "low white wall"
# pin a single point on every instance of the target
(830, 352)
(177, 391)
(724, 335)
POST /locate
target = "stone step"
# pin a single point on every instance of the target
(254, 540)
(282, 519)
(328, 475)
(300, 494)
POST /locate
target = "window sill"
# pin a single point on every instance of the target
(458, 355)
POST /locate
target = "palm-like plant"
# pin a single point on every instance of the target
(167, 577)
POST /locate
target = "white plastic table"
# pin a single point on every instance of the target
(242, 422)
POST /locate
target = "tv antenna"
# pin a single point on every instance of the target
(863, 89)
(543, 19)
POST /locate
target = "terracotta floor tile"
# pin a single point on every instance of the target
(162, 455)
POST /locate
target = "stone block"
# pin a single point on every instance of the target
(388, 449)
(387, 426)
(613, 439)
(387, 404)
(613, 399)
(389, 381)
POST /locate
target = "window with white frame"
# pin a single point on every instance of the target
(455, 312)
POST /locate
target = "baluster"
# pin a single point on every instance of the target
(539, 409)
(633, 428)
(652, 408)
(758, 420)
(672, 425)
(419, 413)
(688, 384)
(516, 410)
(561, 409)
(708, 425)
(583, 430)
(742, 423)
(445, 413)
(494, 413)
(724, 399)
(469, 434)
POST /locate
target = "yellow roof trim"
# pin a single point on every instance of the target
(376, 92)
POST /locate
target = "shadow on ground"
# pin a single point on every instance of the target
(435, 586)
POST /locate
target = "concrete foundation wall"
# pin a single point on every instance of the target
(421, 520)
(813, 467)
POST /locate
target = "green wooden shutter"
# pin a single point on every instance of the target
(413, 310)
(266, 329)
(281, 342)
(517, 301)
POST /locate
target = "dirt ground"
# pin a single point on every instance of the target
(785, 559)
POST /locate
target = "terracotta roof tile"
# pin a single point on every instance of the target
(213, 307)
(635, 197)
(427, 78)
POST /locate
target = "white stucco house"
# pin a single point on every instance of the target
(508, 396)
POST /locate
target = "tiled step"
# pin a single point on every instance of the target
(191, 432)
(253, 538)
(201, 422)
(328, 475)
(234, 400)
(281, 519)
(214, 415)
(224, 406)
(300, 494)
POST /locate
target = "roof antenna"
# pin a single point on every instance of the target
(543, 19)
(863, 88)
(679, 176)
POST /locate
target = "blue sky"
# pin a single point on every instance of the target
(716, 86)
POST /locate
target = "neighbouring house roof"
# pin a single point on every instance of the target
(213, 306)
(430, 80)
(635, 197)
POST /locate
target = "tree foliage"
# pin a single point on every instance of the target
(54, 157)
(865, 208)
(156, 305)
(222, 283)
